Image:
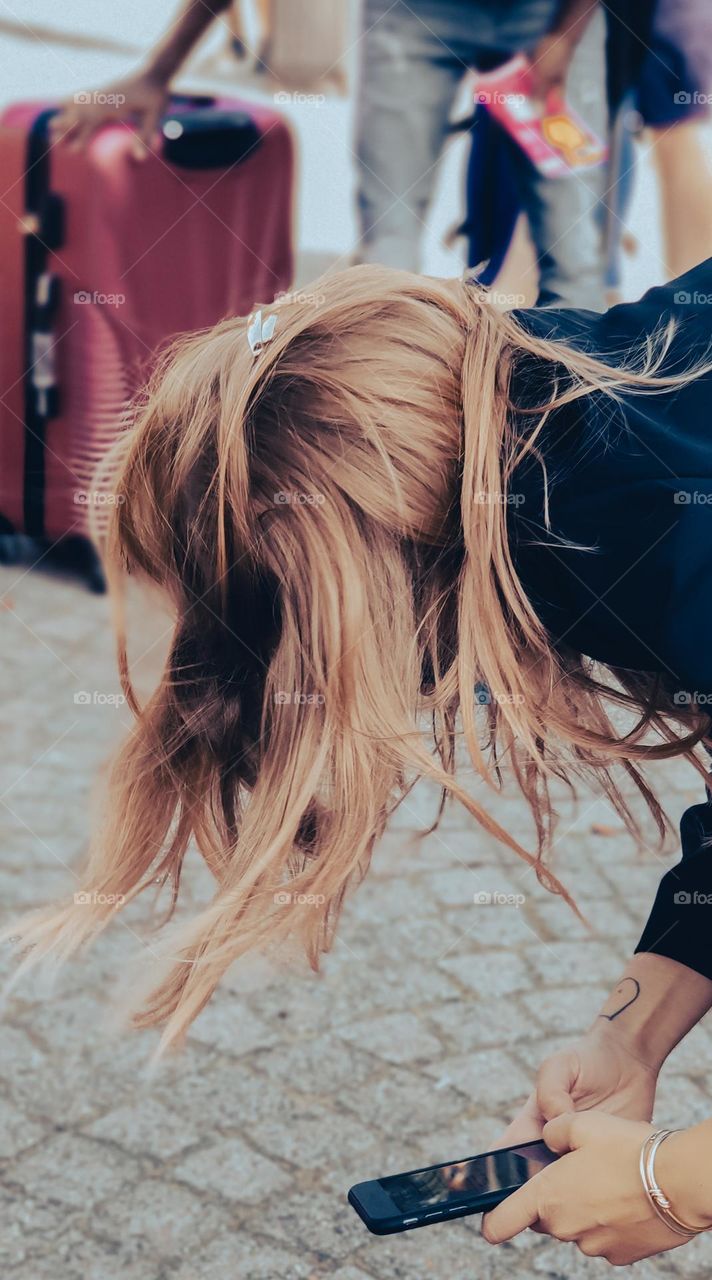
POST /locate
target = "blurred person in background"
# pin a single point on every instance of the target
(413, 60)
(659, 68)
(414, 57)
(143, 95)
(237, 44)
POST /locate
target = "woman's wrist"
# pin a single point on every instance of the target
(654, 1005)
(683, 1169)
(634, 1042)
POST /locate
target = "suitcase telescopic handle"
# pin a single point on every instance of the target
(206, 139)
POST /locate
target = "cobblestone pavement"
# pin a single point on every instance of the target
(414, 1045)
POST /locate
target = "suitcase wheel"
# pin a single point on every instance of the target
(13, 547)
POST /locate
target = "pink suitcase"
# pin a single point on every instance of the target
(102, 261)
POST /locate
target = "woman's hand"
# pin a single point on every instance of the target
(593, 1195)
(600, 1070)
(614, 1067)
(140, 99)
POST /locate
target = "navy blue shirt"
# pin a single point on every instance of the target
(630, 483)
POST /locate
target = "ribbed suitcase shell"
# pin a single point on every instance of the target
(149, 250)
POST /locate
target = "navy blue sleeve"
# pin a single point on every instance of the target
(622, 571)
(680, 923)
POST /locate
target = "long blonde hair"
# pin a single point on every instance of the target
(315, 516)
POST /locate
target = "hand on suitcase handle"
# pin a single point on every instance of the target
(139, 99)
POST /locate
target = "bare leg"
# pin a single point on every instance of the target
(236, 29)
(264, 10)
(516, 285)
(264, 13)
(685, 177)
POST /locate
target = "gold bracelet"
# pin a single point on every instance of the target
(654, 1191)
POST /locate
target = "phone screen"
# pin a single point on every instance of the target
(445, 1183)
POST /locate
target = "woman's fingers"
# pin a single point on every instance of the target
(525, 1127)
(567, 1132)
(555, 1082)
(148, 124)
(80, 136)
(513, 1215)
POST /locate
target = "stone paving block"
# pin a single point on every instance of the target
(73, 1171)
(316, 1222)
(255, 974)
(234, 1257)
(460, 840)
(75, 1089)
(406, 942)
(680, 1102)
(466, 1137)
(407, 852)
(443, 1250)
(402, 1105)
(576, 963)
(231, 1169)
(352, 990)
(490, 925)
(16, 1131)
(566, 1012)
(694, 1261)
(67, 1020)
(418, 809)
(21, 848)
(398, 1037)
(396, 898)
(490, 1078)
(218, 1094)
(310, 1137)
(606, 917)
(160, 1216)
(482, 927)
(29, 892)
(86, 1260)
(230, 1025)
(319, 1066)
(350, 1273)
(18, 1053)
(637, 880)
(693, 1054)
(28, 1228)
(582, 875)
(482, 1022)
(565, 1262)
(495, 973)
(145, 1126)
(461, 887)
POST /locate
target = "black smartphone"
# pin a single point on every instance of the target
(403, 1201)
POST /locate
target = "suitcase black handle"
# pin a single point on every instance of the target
(199, 139)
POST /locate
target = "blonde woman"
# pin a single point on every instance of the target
(363, 503)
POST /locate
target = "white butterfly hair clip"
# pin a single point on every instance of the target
(260, 331)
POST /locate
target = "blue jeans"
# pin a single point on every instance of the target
(414, 56)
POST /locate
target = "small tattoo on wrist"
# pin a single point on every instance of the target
(625, 994)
